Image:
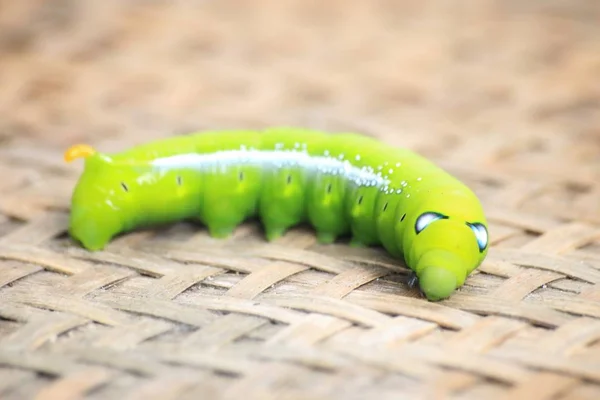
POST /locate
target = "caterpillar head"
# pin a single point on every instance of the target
(446, 238)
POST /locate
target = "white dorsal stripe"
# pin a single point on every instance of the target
(362, 176)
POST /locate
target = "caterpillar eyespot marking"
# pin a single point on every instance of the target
(430, 220)
(481, 234)
(427, 219)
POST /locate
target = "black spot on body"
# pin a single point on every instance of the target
(179, 180)
(360, 199)
(289, 179)
(329, 188)
(403, 216)
(385, 207)
(241, 176)
(124, 186)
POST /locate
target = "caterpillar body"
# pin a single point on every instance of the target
(342, 184)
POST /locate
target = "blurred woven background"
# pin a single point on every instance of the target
(505, 94)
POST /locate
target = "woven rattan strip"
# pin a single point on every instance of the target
(503, 94)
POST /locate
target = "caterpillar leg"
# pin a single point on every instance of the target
(361, 240)
(357, 243)
(274, 232)
(222, 221)
(276, 222)
(326, 237)
(328, 230)
(326, 209)
(280, 209)
(218, 231)
(413, 281)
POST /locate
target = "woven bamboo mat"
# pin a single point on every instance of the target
(504, 94)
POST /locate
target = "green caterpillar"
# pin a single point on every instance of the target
(342, 184)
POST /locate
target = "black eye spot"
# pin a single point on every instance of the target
(403, 216)
(124, 186)
(179, 181)
(241, 176)
(329, 188)
(289, 179)
(360, 199)
(385, 207)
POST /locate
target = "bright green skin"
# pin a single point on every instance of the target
(441, 256)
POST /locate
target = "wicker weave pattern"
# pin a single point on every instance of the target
(501, 93)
